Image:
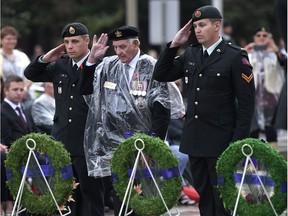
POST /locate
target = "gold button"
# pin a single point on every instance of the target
(73, 85)
(196, 102)
(60, 81)
(200, 75)
(70, 120)
(196, 116)
(71, 97)
(198, 89)
(70, 108)
(186, 71)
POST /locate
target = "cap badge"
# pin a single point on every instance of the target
(118, 34)
(71, 30)
(197, 14)
(263, 29)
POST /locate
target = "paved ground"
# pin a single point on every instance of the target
(184, 211)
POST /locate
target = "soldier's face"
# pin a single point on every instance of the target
(207, 31)
(76, 47)
(126, 50)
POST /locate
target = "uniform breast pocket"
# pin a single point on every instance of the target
(61, 88)
(189, 71)
(218, 81)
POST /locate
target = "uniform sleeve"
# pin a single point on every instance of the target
(37, 71)
(86, 79)
(243, 82)
(168, 68)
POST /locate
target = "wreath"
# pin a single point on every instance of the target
(58, 167)
(263, 153)
(158, 151)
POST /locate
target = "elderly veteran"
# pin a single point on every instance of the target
(122, 97)
(220, 98)
(71, 110)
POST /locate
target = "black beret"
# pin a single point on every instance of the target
(206, 12)
(74, 29)
(124, 32)
(262, 28)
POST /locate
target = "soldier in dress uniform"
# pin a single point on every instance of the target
(71, 110)
(220, 99)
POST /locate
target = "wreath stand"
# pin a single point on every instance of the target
(248, 159)
(132, 178)
(22, 184)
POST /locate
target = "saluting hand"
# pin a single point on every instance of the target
(54, 54)
(99, 48)
(182, 36)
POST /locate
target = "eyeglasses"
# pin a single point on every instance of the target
(261, 35)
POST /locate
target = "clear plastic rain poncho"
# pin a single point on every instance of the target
(117, 108)
(269, 78)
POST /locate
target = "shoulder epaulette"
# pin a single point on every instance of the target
(195, 45)
(234, 46)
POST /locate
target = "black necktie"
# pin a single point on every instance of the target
(205, 56)
(75, 68)
(24, 124)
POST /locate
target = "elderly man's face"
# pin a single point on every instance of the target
(126, 50)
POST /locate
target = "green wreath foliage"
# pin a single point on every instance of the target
(159, 151)
(59, 158)
(264, 153)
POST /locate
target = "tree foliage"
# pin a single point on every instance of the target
(41, 22)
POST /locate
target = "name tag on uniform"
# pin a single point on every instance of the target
(110, 85)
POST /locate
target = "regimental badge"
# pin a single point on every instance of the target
(263, 29)
(71, 30)
(118, 34)
(141, 102)
(197, 14)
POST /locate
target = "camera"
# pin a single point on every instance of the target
(259, 47)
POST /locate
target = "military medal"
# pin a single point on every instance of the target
(143, 93)
(139, 92)
(186, 79)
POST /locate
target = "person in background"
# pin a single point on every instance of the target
(43, 109)
(71, 110)
(15, 61)
(15, 123)
(122, 97)
(220, 99)
(227, 32)
(37, 51)
(269, 78)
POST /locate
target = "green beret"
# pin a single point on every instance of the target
(124, 32)
(206, 12)
(74, 29)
